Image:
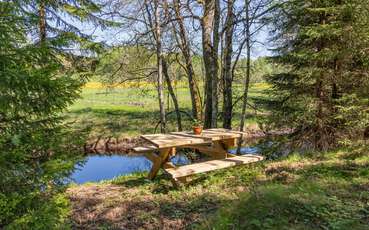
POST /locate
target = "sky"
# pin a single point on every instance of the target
(114, 37)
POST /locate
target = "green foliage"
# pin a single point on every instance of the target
(51, 214)
(37, 151)
(260, 67)
(323, 93)
(63, 22)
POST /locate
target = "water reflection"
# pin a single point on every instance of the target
(245, 150)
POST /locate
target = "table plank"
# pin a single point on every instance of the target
(213, 134)
(172, 140)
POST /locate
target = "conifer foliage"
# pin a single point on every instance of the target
(37, 152)
(324, 93)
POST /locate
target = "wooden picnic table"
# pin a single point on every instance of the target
(212, 142)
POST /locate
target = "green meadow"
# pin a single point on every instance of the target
(131, 111)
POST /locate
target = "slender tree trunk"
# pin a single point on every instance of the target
(215, 79)
(247, 77)
(227, 66)
(42, 21)
(185, 48)
(319, 115)
(210, 57)
(172, 94)
(159, 56)
(319, 93)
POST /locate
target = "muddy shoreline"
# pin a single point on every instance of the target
(125, 145)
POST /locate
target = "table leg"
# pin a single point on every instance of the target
(159, 161)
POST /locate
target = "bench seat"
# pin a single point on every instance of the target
(207, 166)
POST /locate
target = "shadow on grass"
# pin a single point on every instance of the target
(340, 170)
(143, 212)
(326, 195)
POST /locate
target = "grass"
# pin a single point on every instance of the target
(130, 111)
(314, 191)
(328, 192)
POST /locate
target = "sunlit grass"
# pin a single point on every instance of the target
(129, 110)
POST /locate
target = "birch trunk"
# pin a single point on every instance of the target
(159, 56)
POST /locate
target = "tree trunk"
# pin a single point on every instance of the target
(227, 68)
(247, 77)
(319, 94)
(159, 56)
(215, 80)
(319, 115)
(185, 48)
(172, 94)
(210, 57)
(42, 22)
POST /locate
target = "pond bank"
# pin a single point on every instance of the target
(124, 145)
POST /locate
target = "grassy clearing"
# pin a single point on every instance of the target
(130, 111)
(326, 191)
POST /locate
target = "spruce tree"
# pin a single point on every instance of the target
(37, 152)
(323, 95)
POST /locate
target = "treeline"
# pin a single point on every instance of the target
(118, 65)
(320, 92)
(209, 42)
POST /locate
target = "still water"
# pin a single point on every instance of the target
(105, 167)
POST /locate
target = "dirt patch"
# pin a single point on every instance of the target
(120, 207)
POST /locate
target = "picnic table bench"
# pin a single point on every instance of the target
(212, 142)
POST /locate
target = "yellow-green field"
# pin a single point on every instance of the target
(132, 109)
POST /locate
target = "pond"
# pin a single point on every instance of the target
(106, 167)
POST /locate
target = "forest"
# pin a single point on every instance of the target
(85, 83)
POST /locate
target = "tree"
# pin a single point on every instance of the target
(322, 95)
(186, 52)
(55, 22)
(37, 152)
(210, 42)
(227, 67)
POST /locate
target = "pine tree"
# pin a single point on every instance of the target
(324, 94)
(37, 151)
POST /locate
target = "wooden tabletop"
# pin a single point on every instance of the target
(177, 139)
(213, 134)
(172, 140)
